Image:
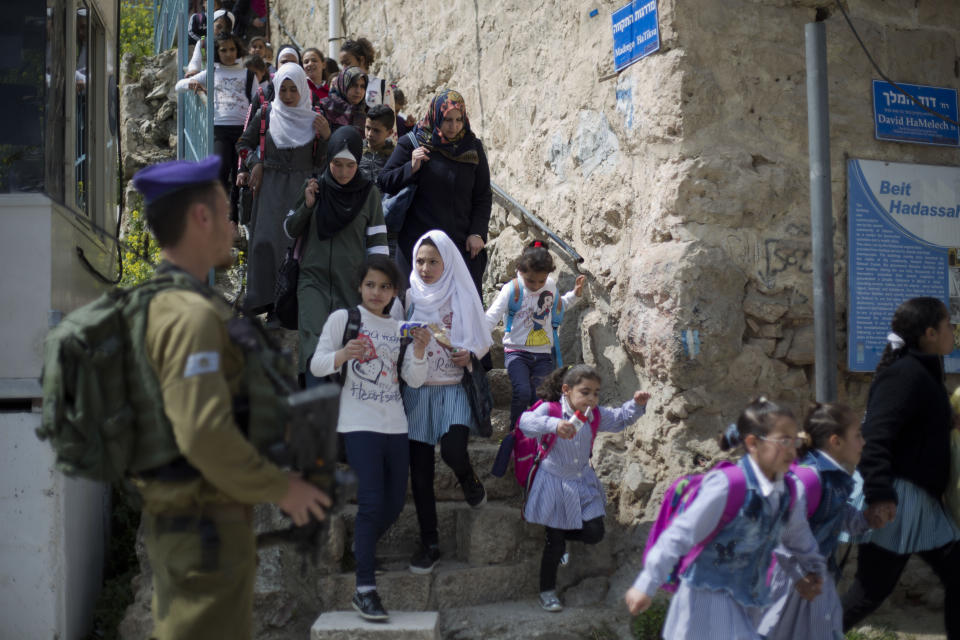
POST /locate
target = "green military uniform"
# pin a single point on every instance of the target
(199, 530)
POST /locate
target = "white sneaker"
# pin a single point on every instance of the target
(549, 601)
(565, 559)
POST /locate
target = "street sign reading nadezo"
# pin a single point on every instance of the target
(636, 32)
(898, 118)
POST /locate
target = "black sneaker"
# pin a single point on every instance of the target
(473, 491)
(425, 559)
(369, 607)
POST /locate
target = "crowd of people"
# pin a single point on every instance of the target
(390, 308)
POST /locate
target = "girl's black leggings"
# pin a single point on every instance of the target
(225, 145)
(453, 450)
(591, 533)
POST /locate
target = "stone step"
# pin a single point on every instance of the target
(403, 625)
(452, 584)
(482, 455)
(491, 534)
(500, 388)
(523, 619)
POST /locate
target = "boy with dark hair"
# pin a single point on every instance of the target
(377, 145)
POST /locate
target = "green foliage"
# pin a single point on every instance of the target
(649, 624)
(141, 254)
(136, 31)
(874, 634)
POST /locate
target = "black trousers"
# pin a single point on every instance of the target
(556, 545)
(878, 571)
(225, 145)
(453, 451)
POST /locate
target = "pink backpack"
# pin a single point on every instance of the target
(681, 494)
(528, 453)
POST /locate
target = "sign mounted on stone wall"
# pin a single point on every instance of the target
(903, 224)
(900, 119)
(636, 32)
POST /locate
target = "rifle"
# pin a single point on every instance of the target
(311, 449)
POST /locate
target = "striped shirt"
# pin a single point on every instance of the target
(566, 490)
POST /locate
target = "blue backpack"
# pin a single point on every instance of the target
(556, 315)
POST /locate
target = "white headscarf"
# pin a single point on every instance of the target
(291, 126)
(469, 330)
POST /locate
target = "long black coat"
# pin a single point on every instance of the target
(907, 428)
(451, 196)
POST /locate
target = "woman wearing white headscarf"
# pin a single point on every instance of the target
(443, 295)
(291, 149)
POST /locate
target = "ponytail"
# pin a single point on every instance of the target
(757, 419)
(910, 322)
(551, 389)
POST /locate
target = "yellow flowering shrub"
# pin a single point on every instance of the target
(141, 254)
(136, 30)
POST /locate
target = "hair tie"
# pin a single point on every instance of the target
(895, 340)
(537, 243)
(807, 439)
(732, 434)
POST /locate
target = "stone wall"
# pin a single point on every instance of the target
(683, 180)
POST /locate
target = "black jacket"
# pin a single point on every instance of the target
(907, 428)
(451, 196)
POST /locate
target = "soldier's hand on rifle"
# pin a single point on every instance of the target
(303, 499)
(353, 350)
(421, 338)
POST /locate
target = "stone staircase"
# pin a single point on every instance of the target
(490, 559)
(484, 587)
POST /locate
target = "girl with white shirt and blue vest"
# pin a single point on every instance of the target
(372, 419)
(833, 441)
(566, 496)
(726, 588)
(531, 309)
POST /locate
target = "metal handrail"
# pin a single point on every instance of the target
(194, 113)
(537, 222)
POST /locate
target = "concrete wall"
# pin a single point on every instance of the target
(51, 539)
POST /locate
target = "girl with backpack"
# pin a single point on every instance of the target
(725, 587)
(906, 464)
(284, 144)
(565, 495)
(442, 296)
(529, 307)
(830, 453)
(372, 419)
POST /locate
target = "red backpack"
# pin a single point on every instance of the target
(528, 452)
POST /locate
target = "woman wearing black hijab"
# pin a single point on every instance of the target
(339, 222)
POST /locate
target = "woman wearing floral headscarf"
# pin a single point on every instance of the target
(294, 146)
(346, 103)
(450, 170)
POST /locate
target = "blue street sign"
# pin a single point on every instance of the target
(898, 118)
(636, 32)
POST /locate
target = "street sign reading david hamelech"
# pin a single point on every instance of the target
(636, 32)
(900, 119)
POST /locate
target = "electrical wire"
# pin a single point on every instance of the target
(884, 76)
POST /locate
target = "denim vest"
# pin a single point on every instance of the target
(836, 485)
(738, 558)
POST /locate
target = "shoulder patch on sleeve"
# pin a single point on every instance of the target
(202, 362)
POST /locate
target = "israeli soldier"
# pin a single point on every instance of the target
(198, 510)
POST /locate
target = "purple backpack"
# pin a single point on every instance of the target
(811, 486)
(682, 493)
(678, 497)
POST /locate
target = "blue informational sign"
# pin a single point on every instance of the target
(636, 32)
(898, 118)
(903, 223)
